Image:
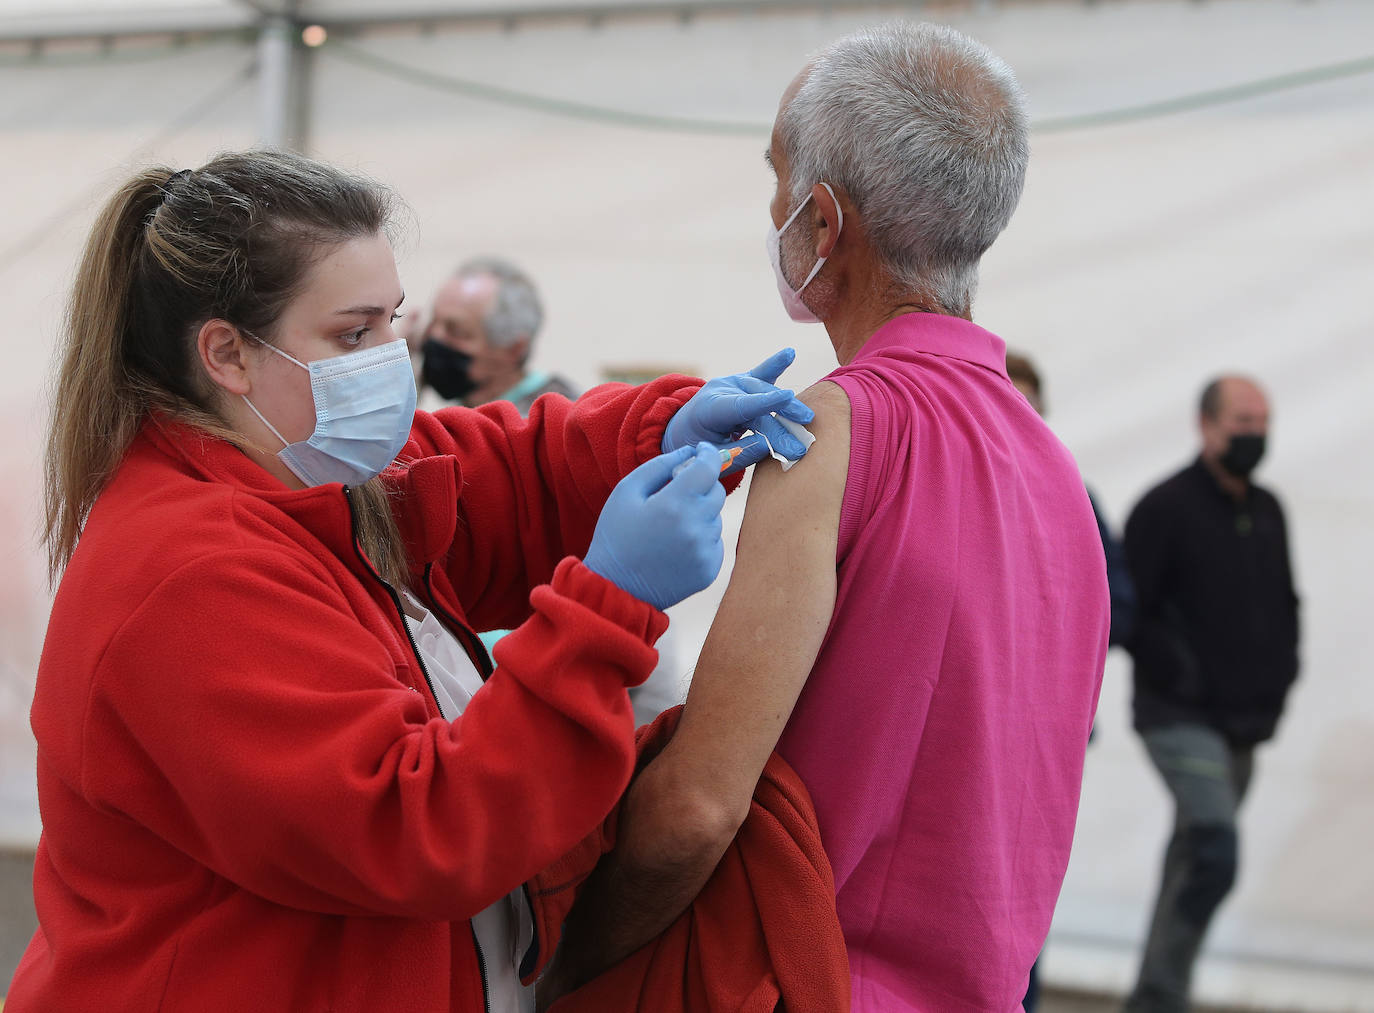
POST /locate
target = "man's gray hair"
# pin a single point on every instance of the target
(926, 130)
(516, 311)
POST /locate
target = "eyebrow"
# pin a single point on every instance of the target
(768, 157)
(369, 311)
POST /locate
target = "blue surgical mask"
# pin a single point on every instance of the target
(364, 408)
(791, 297)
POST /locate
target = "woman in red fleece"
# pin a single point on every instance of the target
(267, 775)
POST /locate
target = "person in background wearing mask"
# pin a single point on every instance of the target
(931, 662)
(477, 345)
(1215, 651)
(276, 769)
(475, 348)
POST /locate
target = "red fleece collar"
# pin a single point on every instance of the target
(424, 490)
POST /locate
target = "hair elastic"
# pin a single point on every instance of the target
(175, 177)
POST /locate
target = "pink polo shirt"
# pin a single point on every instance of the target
(942, 730)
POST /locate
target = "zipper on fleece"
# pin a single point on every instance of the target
(531, 957)
(415, 650)
(477, 651)
(395, 599)
(481, 966)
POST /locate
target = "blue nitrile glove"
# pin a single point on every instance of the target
(752, 449)
(728, 405)
(658, 536)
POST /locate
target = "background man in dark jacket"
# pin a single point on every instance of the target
(1215, 649)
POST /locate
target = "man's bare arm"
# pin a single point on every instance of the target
(683, 810)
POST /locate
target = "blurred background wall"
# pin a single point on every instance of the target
(1200, 198)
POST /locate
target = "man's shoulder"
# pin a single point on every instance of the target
(548, 383)
(817, 480)
(558, 385)
(827, 397)
(828, 456)
(1178, 488)
(1267, 497)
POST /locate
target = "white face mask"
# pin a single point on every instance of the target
(791, 298)
(364, 408)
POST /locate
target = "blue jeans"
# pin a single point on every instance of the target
(1207, 777)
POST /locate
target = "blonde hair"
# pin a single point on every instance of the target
(170, 250)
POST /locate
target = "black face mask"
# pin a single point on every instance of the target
(1243, 453)
(446, 370)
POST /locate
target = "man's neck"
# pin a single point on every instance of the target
(1233, 486)
(851, 326)
(494, 388)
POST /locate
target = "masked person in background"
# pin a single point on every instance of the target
(275, 767)
(477, 343)
(475, 348)
(1215, 650)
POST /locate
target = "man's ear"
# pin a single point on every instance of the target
(831, 219)
(519, 350)
(1213, 442)
(222, 352)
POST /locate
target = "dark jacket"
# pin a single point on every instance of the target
(1216, 639)
(1119, 583)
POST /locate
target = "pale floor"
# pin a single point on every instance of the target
(17, 920)
(1054, 1001)
(1069, 1002)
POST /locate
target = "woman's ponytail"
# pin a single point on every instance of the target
(96, 410)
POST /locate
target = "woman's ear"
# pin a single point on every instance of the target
(223, 354)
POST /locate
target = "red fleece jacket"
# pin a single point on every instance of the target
(762, 934)
(249, 798)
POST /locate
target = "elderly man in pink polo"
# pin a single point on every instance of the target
(918, 614)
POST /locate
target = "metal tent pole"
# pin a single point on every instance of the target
(283, 80)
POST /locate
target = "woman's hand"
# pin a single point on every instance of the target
(728, 405)
(659, 534)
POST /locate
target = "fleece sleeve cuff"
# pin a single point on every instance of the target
(573, 580)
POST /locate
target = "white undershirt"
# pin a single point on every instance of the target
(506, 929)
